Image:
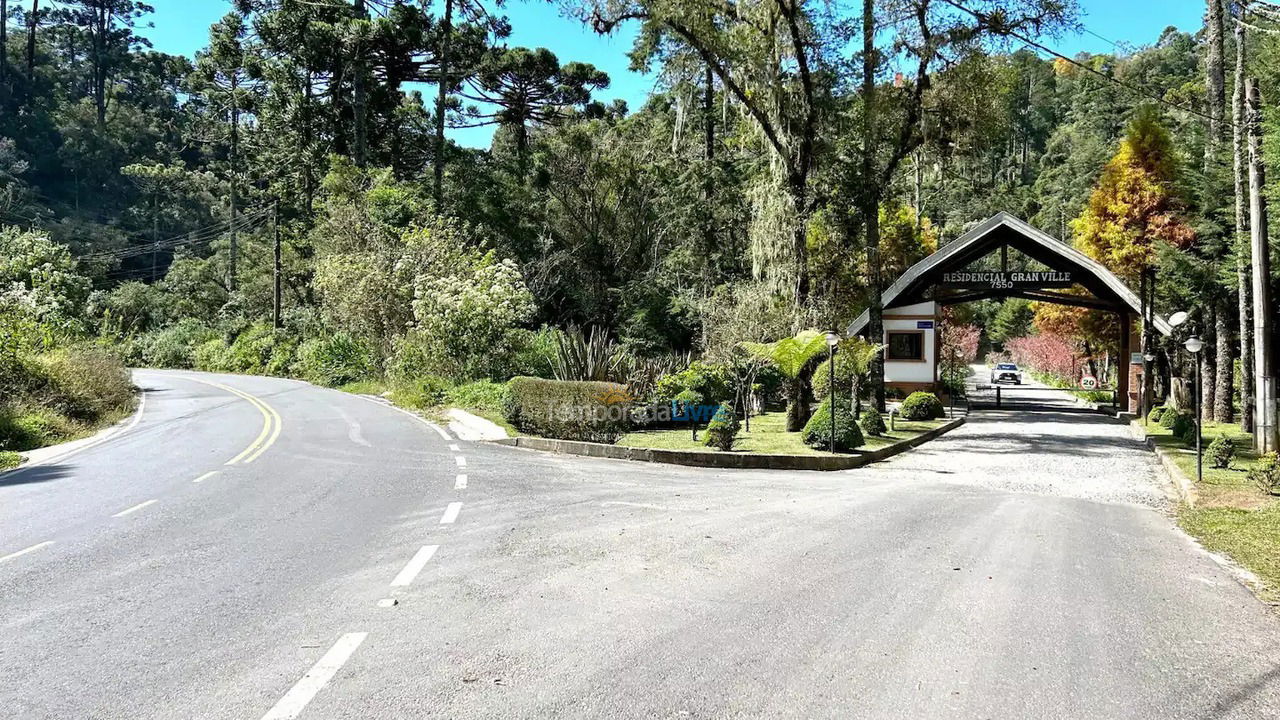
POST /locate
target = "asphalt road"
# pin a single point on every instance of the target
(1019, 567)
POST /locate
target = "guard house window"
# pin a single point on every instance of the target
(906, 345)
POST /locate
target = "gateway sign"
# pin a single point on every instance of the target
(1007, 280)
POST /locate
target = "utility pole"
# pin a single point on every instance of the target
(275, 231)
(1265, 394)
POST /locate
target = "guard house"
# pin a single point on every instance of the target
(1031, 264)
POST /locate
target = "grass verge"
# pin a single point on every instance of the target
(1231, 516)
(768, 437)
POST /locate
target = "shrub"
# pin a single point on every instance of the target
(33, 429)
(175, 346)
(872, 423)
(1184, 428)
(1221, 451)
(1156, 413)
(817, 432)
(568, 409)
(712, 381)
(333, 360)
(483, 395)
(252, 350)
(86, 382)
(722, 431)
(212, 356)
(920, 406)
(1266, 474)
(422, 392)
(821, 379)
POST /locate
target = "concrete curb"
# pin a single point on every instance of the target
(1184, 487)
(728, 460)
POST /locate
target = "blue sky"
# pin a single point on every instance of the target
(181, 27)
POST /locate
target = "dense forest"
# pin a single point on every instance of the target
(290, 200)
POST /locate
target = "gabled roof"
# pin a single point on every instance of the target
(1000, 229)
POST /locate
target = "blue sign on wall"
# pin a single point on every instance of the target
(924, 324)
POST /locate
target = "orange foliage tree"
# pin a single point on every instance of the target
(1134, 206)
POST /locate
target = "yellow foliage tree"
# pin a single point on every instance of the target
(1133, 207)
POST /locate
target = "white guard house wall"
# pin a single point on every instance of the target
(922, 321)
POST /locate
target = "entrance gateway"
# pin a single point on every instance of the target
(1043, 269)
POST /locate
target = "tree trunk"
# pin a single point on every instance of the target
(306, 136)
(4, 41)
(1209, 363)
(1223, 406)
(98, 44)
(360, 94)
(442, 99)
(1244, 281)
(871, 199)
(797, 408)
(32, 23)
(1214, 82)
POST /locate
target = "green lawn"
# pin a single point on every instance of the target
(767, 437)
(1222, 486)
(1250, 537)
(1231, 515)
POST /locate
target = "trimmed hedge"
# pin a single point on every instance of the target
(921, 406)
(568, 409)
(817, 432)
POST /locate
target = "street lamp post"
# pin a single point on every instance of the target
(1147, 386)
(832, 339)
(1194, 346)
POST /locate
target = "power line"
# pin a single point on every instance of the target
(196, 237)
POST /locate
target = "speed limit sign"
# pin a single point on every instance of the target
(1089, 382)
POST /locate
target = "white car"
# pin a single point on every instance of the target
(1006, 372)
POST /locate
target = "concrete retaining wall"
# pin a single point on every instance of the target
(732, 460)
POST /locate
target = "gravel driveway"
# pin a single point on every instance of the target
(1061, 452)
(1040, 442)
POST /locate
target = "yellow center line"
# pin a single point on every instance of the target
(271, 423)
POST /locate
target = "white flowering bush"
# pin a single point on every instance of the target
(465, 323)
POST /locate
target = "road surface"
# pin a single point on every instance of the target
(351, 562)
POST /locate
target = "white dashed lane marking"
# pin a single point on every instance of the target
(135, 508)
(451, 513)
(24, 551)
(460, 483)
(415, 566)
(294, 701)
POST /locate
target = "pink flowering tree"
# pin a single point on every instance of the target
(959, 350)
(1046, 353)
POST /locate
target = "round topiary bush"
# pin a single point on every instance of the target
(817, 432)
(1184, 428)
(921, 406)
(1221, 452)
(872, 423)
(1156, 413)
(722, 431)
